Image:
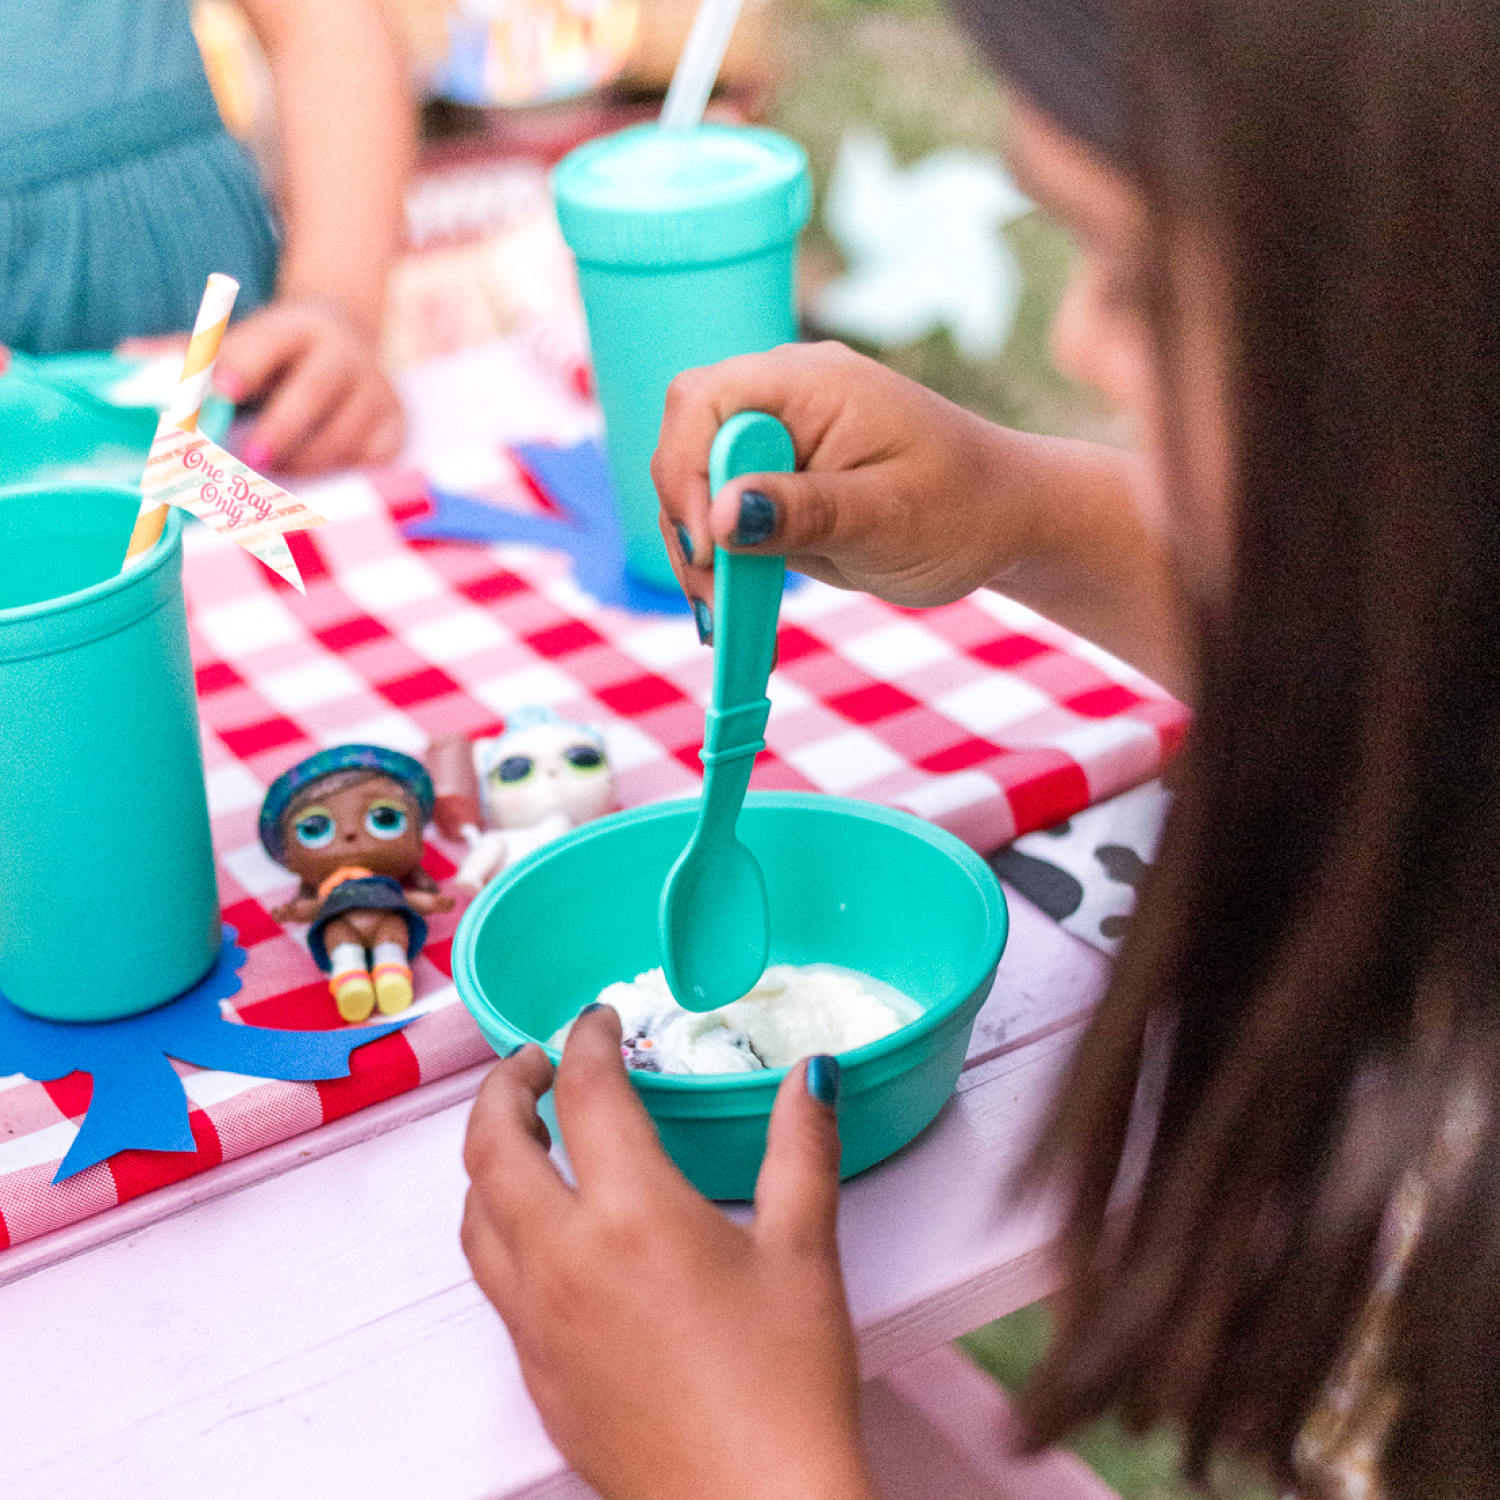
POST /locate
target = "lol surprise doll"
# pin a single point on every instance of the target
(538, 779)
(348, 822)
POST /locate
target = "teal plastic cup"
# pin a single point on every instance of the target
(849, 883)
(108, 901)
(686, 249)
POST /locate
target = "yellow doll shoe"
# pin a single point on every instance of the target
(354, 994)
(393, 991)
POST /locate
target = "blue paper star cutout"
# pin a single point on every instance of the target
(577, 481)
(138, 1101)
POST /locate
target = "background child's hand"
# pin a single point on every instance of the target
(673, 1355)
(326, 403)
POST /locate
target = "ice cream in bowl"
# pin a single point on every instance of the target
(885, 934)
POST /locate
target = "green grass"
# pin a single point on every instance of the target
(899, 68)
(1138, 1468)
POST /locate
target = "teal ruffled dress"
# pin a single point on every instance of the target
(120, 189)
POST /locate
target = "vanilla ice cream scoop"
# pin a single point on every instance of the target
(795, 1010)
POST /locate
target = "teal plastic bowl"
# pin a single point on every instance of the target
(849, 883)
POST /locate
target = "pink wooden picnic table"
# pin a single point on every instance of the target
(301, 1322)
(295, 1317)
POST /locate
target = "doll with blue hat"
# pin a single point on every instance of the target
(348, 822)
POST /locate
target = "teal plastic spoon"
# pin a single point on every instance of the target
(715, 925)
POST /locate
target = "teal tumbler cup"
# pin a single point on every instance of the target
(108, 901)
(686, 249)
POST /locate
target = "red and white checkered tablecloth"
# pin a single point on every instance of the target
(979, 716)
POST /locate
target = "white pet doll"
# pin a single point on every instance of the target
(538, 779)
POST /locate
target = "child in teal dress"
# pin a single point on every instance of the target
(120, 190)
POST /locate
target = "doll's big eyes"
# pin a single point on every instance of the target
(583, 757)
(386, 821)
(514, 768)
(315, 830)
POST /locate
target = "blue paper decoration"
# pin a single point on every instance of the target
(138, 1101)
(577, 480)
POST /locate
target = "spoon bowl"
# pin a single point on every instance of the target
(707, 960)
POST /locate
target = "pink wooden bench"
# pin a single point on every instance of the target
(937, 1428)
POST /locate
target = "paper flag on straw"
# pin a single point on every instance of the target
(187, 469)
(192, 385)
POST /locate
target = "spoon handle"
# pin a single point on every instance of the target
(747, 590)
(747, 600)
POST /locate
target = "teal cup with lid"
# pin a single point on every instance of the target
(108, 900)
(686, 249)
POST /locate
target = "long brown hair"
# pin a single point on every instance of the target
(1317, 954)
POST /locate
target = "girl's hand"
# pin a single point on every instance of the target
(326, 404)
(428, 902)
(911, 498)
(673, 1355)
(895, 492)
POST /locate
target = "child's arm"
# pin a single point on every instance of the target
(348, 133)
(424, 893)
(487, 856)
(910, 497)
(673, 1354)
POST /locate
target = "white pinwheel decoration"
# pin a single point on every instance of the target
(923, 247)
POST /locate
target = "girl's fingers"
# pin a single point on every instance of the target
(305, 397)
(505, 1150)
(797, 1194)
(611, 1140)
(699, 402)
(697, 583)
(325, 403)
(384, 442)
(884, 494)
(345, 437)
(489, 1255)
(778, 513)
(843, 527)
(257, 350)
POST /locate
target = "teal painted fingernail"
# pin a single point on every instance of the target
(590, 1008)
(703, 618)
(823, 1079)
(685, 541)
(519, 1047)
(757, 519)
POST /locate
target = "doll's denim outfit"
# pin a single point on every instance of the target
(364, 891)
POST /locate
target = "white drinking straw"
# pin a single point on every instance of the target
(698, 67)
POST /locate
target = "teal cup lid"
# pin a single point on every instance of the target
(648, 197)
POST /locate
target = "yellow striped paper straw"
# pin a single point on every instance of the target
(187, 400)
